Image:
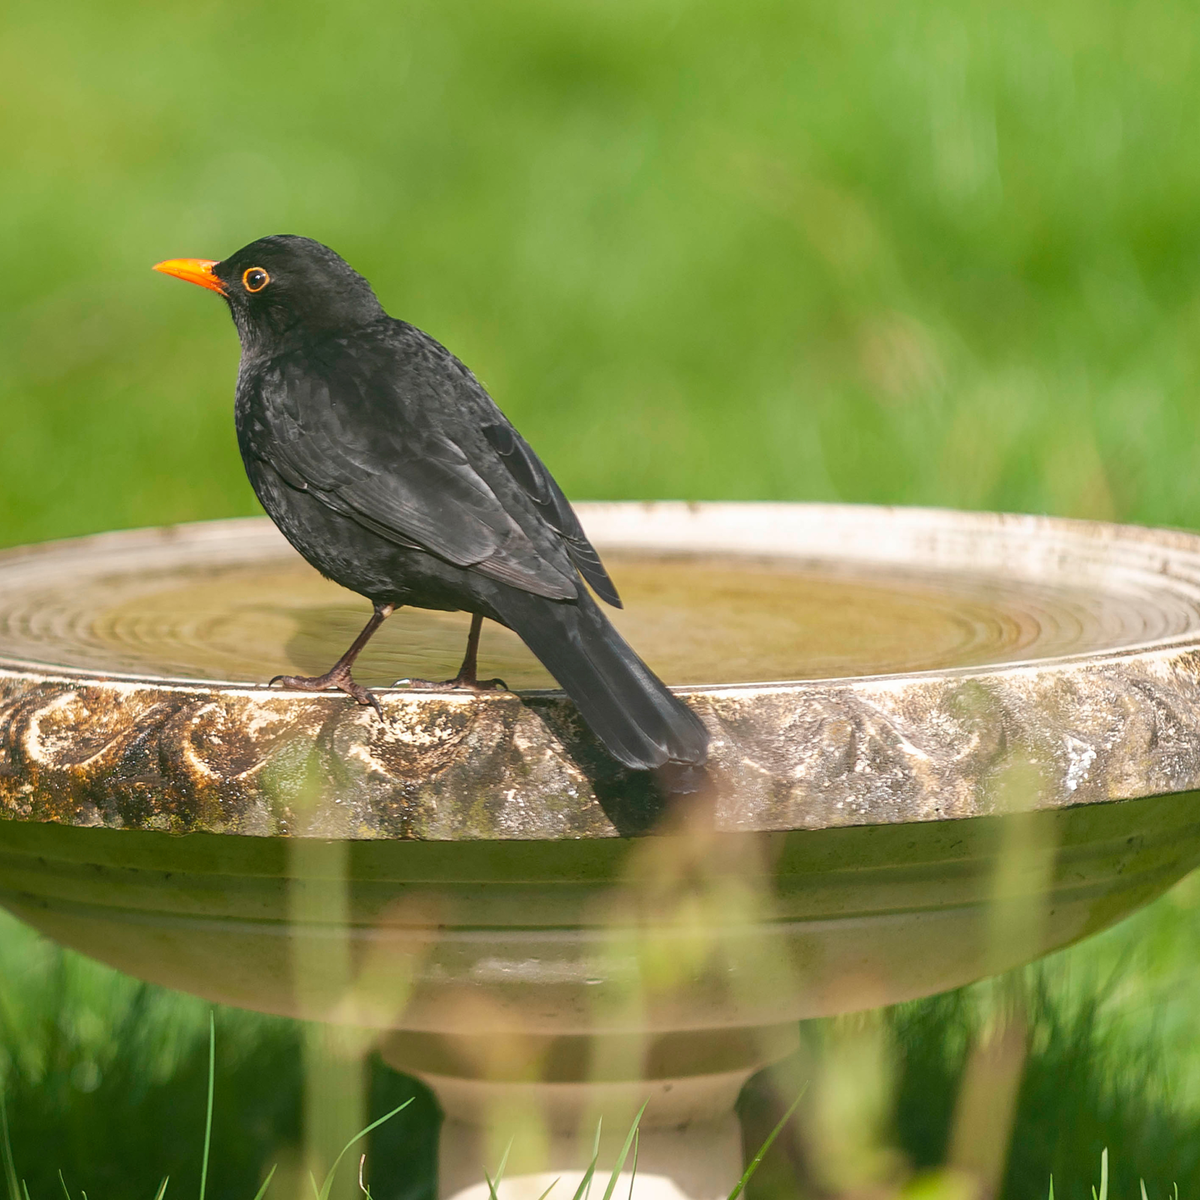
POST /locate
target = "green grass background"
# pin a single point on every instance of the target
(932, 253)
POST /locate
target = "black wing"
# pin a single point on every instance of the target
(357, 443)
(531, 473)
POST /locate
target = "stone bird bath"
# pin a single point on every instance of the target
(943, 744)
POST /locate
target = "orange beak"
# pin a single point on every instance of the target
(194, 270)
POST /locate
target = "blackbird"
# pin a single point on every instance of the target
(388, 466)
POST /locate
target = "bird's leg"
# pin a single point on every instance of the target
(338, 676)
(466, 677)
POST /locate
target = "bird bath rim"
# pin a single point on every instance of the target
(1119, 720)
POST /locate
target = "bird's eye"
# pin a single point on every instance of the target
(254, 279)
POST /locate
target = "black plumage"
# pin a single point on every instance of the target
(388, 466)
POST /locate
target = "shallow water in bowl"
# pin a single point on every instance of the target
(706, 619)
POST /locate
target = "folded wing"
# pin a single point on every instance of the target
(530, 472)
(412, 486)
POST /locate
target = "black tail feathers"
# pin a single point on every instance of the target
(641, 724)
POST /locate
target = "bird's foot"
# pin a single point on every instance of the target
(471, 684)
(461, 682)
(333, 680)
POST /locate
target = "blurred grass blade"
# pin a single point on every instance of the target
(587, 1179)
(1051, 1187)
(25, 1189)
(585, 1184)
(10, 1168)
(1103, 1177)
(503, 1162)
(633, 1174)
(616, 1171)
(493, 1185)
(549, 1189)
(212, 1080)
(64, 1185)
(323, 1194)
(266, 1183)
(1142, 1185)
(162, 1188)
(749, 1172)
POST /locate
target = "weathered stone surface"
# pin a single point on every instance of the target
(1119, 719)
(805, 756)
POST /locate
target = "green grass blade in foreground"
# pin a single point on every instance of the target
(494, 1184)
(10, 1168)
(266, 1183)
(748, 1174)
(1051, 1197)
(1103, 1177)
(162, 1188)
(323, 1194)
(212, 1077)
(64, 1185)
(633, 1174)
(616, 1172)
(549, 1189)
(585, 1184)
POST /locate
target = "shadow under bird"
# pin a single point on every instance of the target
(388, 466)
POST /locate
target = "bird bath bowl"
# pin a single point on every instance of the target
(943, 744)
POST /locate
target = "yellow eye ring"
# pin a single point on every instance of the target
(254, 279)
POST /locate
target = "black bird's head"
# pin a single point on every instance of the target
(283, 289)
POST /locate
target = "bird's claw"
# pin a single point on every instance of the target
(457, 684)
(481, 685)
(331, 681)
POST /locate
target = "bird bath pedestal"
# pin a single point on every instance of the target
(943, 744)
